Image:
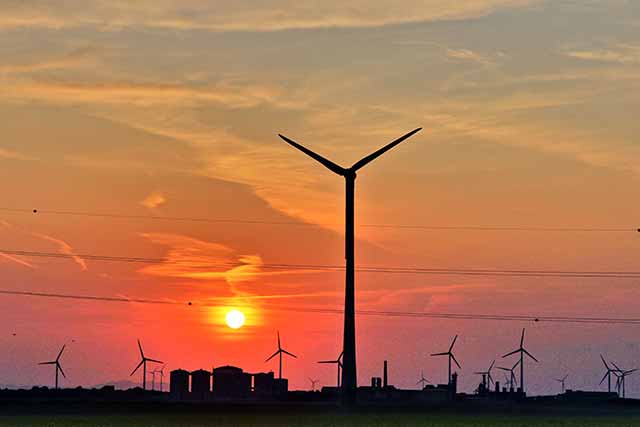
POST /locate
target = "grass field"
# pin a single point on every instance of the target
(316, 419)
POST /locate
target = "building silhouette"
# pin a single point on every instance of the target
(179, 384)
(200, 384)
(231, 382)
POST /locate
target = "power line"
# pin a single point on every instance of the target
(338, 268)
(450, 316)
(306, 224)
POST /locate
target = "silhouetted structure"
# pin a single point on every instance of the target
(385, 375)
(179, 384)
(422, 381)
(487, 379)
(349, 374)
(143, 363)
(231, 382)
(57, 365)
(450, 357)
(521, 351)
(562, 381)
(607, 375)
(279, 353)
(512, 376)
(200, 384)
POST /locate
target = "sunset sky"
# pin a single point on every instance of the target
(171, 108)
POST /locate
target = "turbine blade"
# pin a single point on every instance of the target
(137, 367)
(516, 365)
(61, 350)
(603, 361)
(491, 367)
(341, 355)
(530, 355)
(454, 359)
(440, 354)
(616, 366)
(328, 361)
(279, 346)
(522, 339)
(453, 343)
(272, 356)
(140, 347)
(325, 162)
(513, 352)
(503, 369)
(47, 363)
(154, 361)
(605, 377)
(371, 157)
(290, 354)
(61, 371)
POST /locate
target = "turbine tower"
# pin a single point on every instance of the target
(450, 356)
(562, 381)
(607, 375)
(349, 374)
(522, 351)
(58, 366)
(143, 363)
(280, 352)
(338, 362)
(487, 374)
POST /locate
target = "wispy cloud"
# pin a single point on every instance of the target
(619, 54)
(241, 15)
(82, 57)
(64, 248)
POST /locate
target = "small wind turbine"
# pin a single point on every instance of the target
(143, 363)
(607, 375)
(422, 381)
(338, 362)
(280, 352)
(512, 377)
(349, 380)
(161, 373)
(58, 366)
(450, 356)
(522, 351)
(313, 383)
(562, 381)
(153, 380)
(487, 374)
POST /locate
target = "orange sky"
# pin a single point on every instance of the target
(172, 109)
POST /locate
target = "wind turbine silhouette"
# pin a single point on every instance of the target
(280, 352)
(313, 383)
(487, 373)
(153, 380)
(58, 366)
(161, 373)
(562, 381)
(450, 356)
(422, 381)
(622, 375)
(607, 375)
(338, 362)
(349, 374)
(143, 363)
(522, 351)
(512, 376)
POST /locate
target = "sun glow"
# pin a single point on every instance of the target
(235, 319)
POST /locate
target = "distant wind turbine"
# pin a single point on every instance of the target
(562, 381)
(57, 364)
(522, 351)
(143, 363)
(512, 377)
(422, 381)
(450, 356)
(487, 374)
(313, 383)
(349, 375)
(280, 352)
(622, 375)
(161, 373)
(337, 362)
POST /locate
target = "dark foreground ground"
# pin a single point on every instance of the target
(444, 420)
(149, 416)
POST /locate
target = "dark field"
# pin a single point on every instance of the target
(255, 418)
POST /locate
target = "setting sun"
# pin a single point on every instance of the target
(235, 319)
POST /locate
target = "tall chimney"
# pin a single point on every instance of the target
(384, 376)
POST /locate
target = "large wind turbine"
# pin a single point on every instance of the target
(280, 352)
(58, 366)
(349, 374)
(522, 351)
(451, 357)
(338, 362)
(143, 363)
